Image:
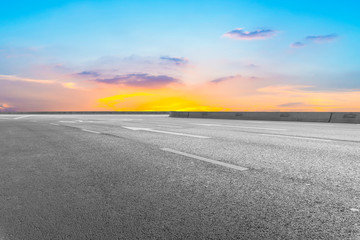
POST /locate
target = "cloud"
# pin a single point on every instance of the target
(140, 80)
(21, 79)
(88, 74)
(252, 65)
(69, 85)
(222, 79)
(109, 66)
(13, 78)
(297, 45)
(284, 89)
(175, 60)
(322, 38)
(314, 39)
(292, 104)
(6, 108)
(240, 34)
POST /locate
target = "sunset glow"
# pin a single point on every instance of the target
(179, 56)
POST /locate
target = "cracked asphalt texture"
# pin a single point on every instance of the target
(60, 182)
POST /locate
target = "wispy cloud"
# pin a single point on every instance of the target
(13, 78)
(21, 79)
(297, 45)
(292, 104)
(140, 80)
(71, 85)
(240, 34)
(278, 89)
(175, 60)
(88, 74)
(222, 79)
(6, 108)
(315, 39)
(322, 38)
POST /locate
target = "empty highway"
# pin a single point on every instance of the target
(155, 177)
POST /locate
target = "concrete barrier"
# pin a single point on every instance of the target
(284, 116)
(179, 114)
(197, 114)
(306, 116)
(265, 116)
(222, 115)
(173, 114)
(345, 117)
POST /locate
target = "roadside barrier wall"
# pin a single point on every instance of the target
(352, 117)
(345, 117)
(335, 117)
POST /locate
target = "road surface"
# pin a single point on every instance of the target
(155, 177)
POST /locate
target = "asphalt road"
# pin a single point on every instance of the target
(155, 177)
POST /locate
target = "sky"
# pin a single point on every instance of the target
(180, 55)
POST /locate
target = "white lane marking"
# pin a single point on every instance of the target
(23, 117)
(221, 125)
(321, 124)
(166, 132)
(76, 121)
(87, 130)
(306, 138)
(54, 124)
(163, 125)
(206, 124)
(206, 159)
(249, 121)
(130, 120)
(125, 119)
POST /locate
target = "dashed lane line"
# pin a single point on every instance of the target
(23, 117)
(205, 159)
(295, 137)
(87, 130)
(166, 132)
(165, 125)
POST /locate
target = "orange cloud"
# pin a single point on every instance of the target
(21, 79)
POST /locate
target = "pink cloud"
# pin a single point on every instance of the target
(240, 34)
(140, 80)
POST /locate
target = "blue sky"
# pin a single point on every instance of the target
(297, 43)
